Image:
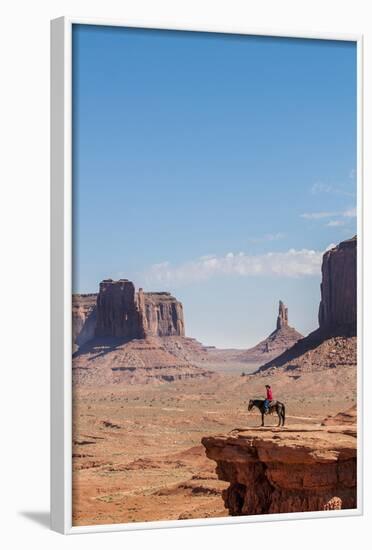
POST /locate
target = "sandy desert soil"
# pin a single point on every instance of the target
(137, 454)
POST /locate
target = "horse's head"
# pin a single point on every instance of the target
(250, 405)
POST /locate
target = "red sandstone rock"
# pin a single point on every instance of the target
(83, 319)
(132, 337)
(282, 320)
(338, 306)
(276, 343)
(119, 311)
(105, 361)
(296, 469)
(315, 353)
(347, 418)
(162, 314)
(118, 314)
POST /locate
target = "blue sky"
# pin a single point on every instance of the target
(217, 167)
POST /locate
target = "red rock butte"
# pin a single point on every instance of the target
(281, 339)
(338, 306)
(118, 311)
(123, 312)
(124, 336)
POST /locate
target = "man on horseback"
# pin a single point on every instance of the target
(269, 398)
(275, 406)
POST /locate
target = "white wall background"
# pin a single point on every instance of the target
(24, 294)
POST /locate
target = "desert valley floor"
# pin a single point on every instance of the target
(137, 453)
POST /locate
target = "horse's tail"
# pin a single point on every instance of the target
(283, 413)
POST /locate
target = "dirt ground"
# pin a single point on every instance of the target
(137, 454)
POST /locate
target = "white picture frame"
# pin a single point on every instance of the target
(61, 276)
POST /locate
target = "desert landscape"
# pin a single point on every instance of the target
(161, 429)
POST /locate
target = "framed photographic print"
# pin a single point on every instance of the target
(206, 276)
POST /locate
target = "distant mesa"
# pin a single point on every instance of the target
(124, 335)
(276, 343)
(122, 312)
(118, 311)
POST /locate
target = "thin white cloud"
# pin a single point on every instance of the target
(352, 174)
(268, 237)
(350, 213)
(318, 215)
(335, 223)
(332, 189)
(320, 187)
(292, 263)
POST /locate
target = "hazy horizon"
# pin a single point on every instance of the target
(215, 167)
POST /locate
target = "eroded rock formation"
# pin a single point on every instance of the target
(298, 469)
(83, 319)
(338, 306)
(162, 314)
(347, 418)
(131, 362)
(124, 336)
(314, 353)
(118, 311)
(282, 320)
(283, 337)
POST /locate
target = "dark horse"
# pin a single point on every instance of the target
(276, 406)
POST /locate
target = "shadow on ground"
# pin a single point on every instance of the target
(41, 518)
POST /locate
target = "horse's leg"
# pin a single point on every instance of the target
(279, 413)
(262, 419)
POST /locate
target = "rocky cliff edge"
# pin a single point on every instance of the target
(295, 469)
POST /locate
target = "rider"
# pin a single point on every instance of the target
(269, 397)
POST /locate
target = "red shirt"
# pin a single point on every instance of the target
(269, 394)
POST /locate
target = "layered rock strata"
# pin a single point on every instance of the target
(118, 311)
(298, 469)
(338, 306)
(347, 418)
(162, 314)
(105, 361)
(84, 319)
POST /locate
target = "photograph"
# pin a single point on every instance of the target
(215, 212)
